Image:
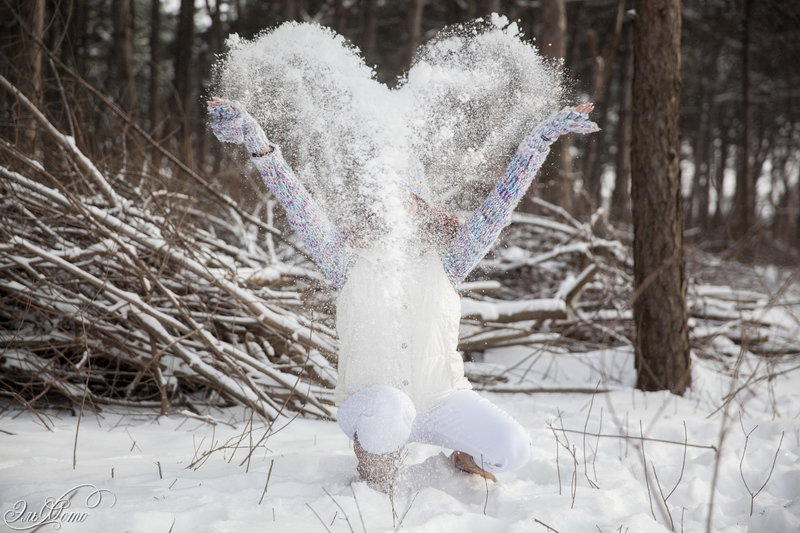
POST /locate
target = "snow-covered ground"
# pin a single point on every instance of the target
(302, 477)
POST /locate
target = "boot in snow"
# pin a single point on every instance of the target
(378, 470)
(466, 463)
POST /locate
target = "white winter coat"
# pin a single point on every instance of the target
(398, 326)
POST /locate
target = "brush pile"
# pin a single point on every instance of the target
(118, 290)
(113, 294)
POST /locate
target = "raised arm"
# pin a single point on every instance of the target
(231, 123)
(474, 238)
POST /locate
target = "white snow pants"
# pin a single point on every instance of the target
(385, 419)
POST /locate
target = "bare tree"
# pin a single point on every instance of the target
(744, 212)
(340, 15)
(620, 198)
(604, 62)
(492, 6)
(33, 14)
(556, 180)
(370, 30)
(155, 64)
(415, 10)
(183, 64)
(289, 9)
(121, 58)
(659, 304)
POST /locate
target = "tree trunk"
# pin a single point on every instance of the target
(215, 30)
(697, 203)
(340, 17)
(183, 87)
(289, 10)
(155, 64)
(472, 9)
(415, 10)
(237, 15)
(704, 166)
(620, 197)
(745, 188)
(797, 214)
(719, 174)
(30, 79)
(370, 30)
(492, 6)
(556, 179)
(122, 55)
(709, 86)
(659, 305)
(703, 147)
(604, 64)
(73, 50)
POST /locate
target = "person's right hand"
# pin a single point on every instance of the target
(231, 123)
(227, 120)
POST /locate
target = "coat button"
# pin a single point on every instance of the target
(404, 345)
(405, 383)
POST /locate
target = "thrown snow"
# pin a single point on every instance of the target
(472, 94)
(145, 461)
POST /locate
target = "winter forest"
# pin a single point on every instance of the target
(181, 299)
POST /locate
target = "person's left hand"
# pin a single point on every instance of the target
(216, 102)
(568, 120)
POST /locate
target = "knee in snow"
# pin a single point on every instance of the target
(381, 416)
(514, 452)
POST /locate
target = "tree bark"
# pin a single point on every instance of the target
(215, 30)
(340, 17)
(155, 64)
(415, 10)
(370, 31)
(289, 10)
(745, 188)
(183, 87)
(556, 179)
(472, 9)
(620, 197)
(73, 50)
(604, 63)
(492, 6)
(719, 174)
(659, 305)
(30, 80)
(797, 214)
(122, 55)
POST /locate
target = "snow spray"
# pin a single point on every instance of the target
(444, 133)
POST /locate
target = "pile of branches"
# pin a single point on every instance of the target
(115, 293)
(565, 286)
(558, 283)
(112, 294)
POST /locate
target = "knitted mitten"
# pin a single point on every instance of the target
(565, 121)
(231, 123)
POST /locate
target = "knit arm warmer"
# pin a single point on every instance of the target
(474, 238)
(322, 240)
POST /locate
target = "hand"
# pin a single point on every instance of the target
(216, 102)
(568, 120)
(230, 122)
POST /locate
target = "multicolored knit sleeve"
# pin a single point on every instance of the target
(474, 238)
(323, 241)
